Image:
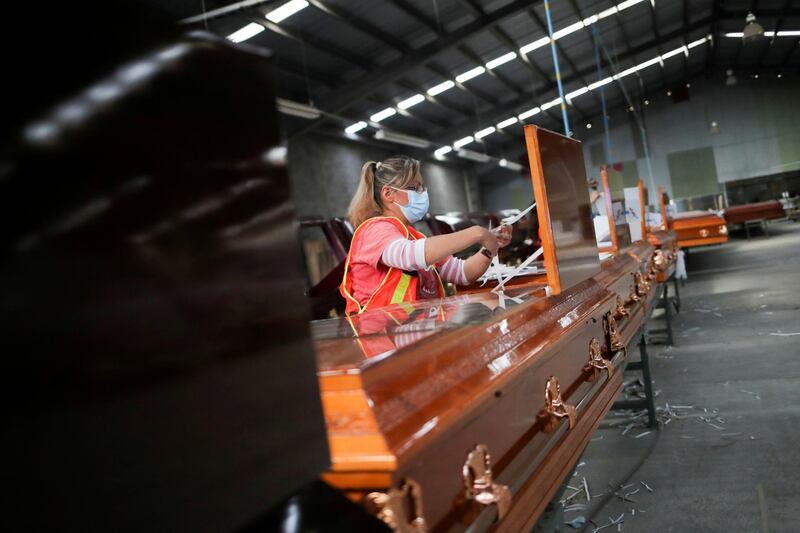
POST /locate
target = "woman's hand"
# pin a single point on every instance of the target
(487, 239)
(503, 234)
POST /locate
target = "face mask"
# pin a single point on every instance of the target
(417, 206)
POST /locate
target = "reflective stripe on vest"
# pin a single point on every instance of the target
(400, 291)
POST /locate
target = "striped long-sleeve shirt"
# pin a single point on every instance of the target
(410, 255)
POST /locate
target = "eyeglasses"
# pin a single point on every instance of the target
(416, 188)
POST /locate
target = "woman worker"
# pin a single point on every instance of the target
(389, 261)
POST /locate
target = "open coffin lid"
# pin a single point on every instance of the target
(474, 408)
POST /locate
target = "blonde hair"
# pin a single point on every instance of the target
(396, 171)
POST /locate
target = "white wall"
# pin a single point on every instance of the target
(757, 120)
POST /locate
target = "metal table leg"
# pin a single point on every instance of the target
(648, 384)
(667, 313)
(677, 299)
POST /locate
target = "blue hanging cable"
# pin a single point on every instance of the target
(607, 143)
(558, 71)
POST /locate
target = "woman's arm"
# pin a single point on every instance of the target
(441, 246)
(475, 266)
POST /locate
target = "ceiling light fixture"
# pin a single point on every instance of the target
(442, 87)
(506, 123)
(484, 132)
(411, 101)
(442, 151)
(400, 138)
(510, 165)
(474, 156)
(296, 109)
(245, 32)
(550, 104)
(472, 73)
(463, 141)
(383, 114)
(354, 128)
(502, 60)
(529, 113)
(286, 10)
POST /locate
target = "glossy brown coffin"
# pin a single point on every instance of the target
(738, 214)
(699, 228)
(416, 413)
(476, 377)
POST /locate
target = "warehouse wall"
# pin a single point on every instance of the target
(756, 136)
(325, 172)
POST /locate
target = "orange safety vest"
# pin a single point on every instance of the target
(397, 285)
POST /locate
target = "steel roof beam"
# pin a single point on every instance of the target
(388, 74)
(460, 129)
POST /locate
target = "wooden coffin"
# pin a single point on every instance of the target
(472, 410)
(407, 422)
(699, 228)
(739, 214)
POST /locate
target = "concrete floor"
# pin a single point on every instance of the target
(734, 354)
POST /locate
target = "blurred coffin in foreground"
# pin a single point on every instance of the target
(152, 379)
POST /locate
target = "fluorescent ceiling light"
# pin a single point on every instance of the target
(698, 42)
(627, 4)
(576, 93)
(788, 33)
(484, 132)
(597, 84)
(588, 21)
(411, 101)
(572, 28)
(464, 141)
(506, 123)
(538, 43)
(354, 128)
(510, 165)
(245, 32)
(650, 62)
(288, 107)
(503, 59)
(442, 151)
(529, 113)
(286, 10)
(399, 138)
(551, 103)
(473, 156)
(782, 33)
(607, 12)
(673, 53)
(383, 114)
(442, 87)
(472, 73)
(735, 34)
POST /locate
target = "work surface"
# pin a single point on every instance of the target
(732, 355)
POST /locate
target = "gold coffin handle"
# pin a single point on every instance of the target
(479, 485)
(554, 406)
(400, 509)
(597, 363)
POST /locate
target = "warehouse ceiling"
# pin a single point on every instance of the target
(443, 70)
